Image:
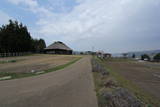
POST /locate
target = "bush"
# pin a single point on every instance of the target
(133, 56)
(145, 57)
(157, 57)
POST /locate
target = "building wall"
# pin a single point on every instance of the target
(58, 51)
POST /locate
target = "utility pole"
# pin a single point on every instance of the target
(92, 48)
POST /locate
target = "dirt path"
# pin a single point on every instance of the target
(71, 87)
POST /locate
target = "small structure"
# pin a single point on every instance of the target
(58, 48)
(107, 55)
(100, 54)
(103, 55)
(89, 53)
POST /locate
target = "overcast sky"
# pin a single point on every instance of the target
(109, 25)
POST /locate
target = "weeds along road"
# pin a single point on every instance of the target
(70, 87)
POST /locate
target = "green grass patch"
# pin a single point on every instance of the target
(141, 94)
(62, 66)
(98, 81)
(22, 75)
(11, 61)
(15, 75)
(8, 61)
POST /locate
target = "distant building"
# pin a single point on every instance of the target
(103, 55)
(107, 55)
(58, 48)
(100, 54)
(90, 53)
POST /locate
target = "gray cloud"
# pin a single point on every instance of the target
(109, 25)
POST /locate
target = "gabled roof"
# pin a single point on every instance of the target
(58, 45)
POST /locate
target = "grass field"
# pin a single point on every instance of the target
(142, 78)
(24, 66)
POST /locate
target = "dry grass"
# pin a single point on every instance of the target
(137, 77)
(37, 63)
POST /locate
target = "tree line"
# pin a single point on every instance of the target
(146, 57)
(14, 37)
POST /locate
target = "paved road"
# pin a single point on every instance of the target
(71, 87)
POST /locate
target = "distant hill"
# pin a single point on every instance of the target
(139, 53)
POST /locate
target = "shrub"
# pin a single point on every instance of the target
(133, 56)
(145, 57)
(157, 57)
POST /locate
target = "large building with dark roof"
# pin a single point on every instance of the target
(58, 48)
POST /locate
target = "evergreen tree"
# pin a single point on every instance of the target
(14, 37)
(145, 56)
(157, 57)
(133, 56)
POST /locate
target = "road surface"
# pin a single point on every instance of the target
(70, 87)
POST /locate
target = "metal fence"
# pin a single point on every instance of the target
(14, 54)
